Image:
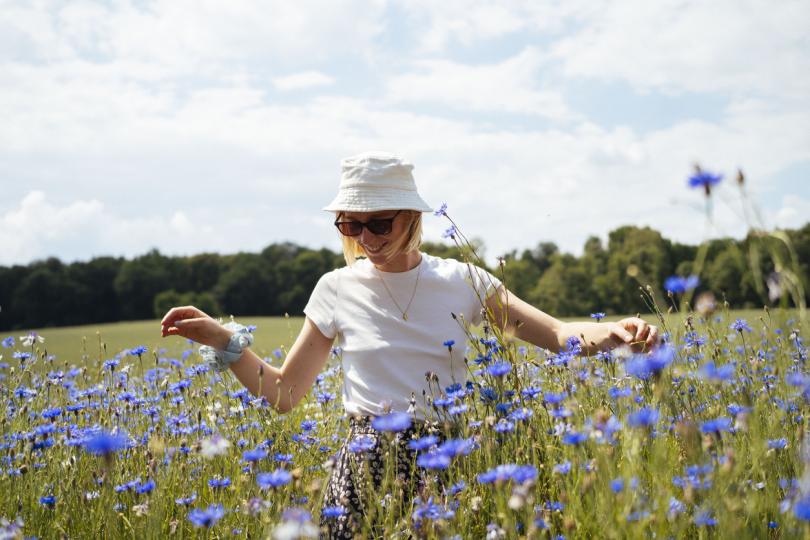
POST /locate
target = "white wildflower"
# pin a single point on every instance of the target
(216, 445)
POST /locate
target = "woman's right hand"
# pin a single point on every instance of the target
(189, 322)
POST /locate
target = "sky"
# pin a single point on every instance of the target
(209, 126)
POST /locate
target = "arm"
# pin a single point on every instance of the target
(513, 315)
(282, 387)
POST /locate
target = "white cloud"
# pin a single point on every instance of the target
(508, 86)
(793, 212)
(728, 46)
(302, 81)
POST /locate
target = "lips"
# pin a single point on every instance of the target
(373, 250)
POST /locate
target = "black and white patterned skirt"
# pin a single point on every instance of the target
(375, 474)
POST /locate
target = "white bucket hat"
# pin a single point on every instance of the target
(376, 181)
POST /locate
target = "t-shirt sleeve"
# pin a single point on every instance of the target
(484, 285)
(321, 306)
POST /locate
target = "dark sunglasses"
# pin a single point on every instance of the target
(379, 226)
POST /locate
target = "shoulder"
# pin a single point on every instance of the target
(344, 273)
(446, 268)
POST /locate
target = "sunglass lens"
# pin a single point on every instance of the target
(379, 226)
(350, 228)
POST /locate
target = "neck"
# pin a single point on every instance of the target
(401, 263)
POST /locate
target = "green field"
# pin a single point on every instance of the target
(71, 343)
(102, 341)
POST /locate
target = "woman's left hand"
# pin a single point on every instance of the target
(635, 332)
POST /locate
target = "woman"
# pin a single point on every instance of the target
(392, 313)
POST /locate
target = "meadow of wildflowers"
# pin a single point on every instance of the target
(702, 437)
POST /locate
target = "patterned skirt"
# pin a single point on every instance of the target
(373, 471)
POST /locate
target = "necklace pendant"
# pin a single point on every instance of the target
(404, 316)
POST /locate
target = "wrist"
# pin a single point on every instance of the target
(223, 339)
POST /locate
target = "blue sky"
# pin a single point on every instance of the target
(196, 126)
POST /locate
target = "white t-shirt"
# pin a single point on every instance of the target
(385, 358)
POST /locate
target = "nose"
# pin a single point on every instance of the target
(366, 235)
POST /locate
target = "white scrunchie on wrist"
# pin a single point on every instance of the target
(220, 359)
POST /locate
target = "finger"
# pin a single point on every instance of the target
(180, 312)
(172, 331)
(653, 337)
(622, 334)
(641, 331)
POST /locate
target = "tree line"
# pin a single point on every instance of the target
(279, 279)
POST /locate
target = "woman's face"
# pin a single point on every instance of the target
(374, 244)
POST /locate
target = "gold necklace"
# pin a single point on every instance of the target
(413, 294)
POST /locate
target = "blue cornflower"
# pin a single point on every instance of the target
(531, 392)
(456, 447)
(598, 316)
(616, 393)
(504, 426)
(720, 373)
(574, 438)
(138, 351)
(206, 518)
(433, 460)
(48, 500)
(554, 399)
(424, 443)
(563, 468)
(740, 325)
(219, 483)
(283, 458)
(431, 511)
(704, 519)
(449, 344)
(678, 284)
(457, 409)
(363, 443)
(502, 473)
(644, 417)
(802, 508)
(277, 478)
(675, 507)
(254, 455)
(704, 179)
(520, 414)
(104, 444)
(617, 485)
(308, 425)
(499, 369)
(644, 366)
(185, 501)
(395, 421)
(735, 409)
(44, 429)
(441, 211)
(51, 413)
(450, 232)
(777, 444)
(717, 425)
(8, 342)
(333, 511)
(146, 487)
(111, 364)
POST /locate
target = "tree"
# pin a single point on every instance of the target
(140, 279)
(247, 286)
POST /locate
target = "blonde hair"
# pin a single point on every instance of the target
(410, 241)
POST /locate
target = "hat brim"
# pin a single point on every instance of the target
(369, 201)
